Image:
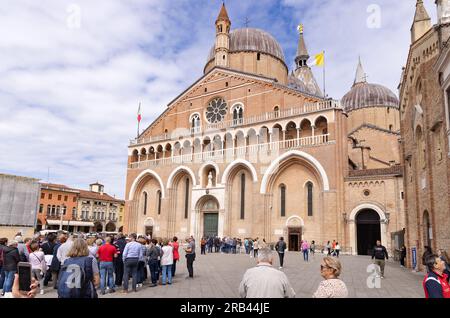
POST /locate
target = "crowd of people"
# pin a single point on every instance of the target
(77, 266)
(103, 262)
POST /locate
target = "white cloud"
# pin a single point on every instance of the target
(69, 96)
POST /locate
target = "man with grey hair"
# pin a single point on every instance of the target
(264, 281)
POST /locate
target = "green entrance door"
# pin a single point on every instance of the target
(210, 224)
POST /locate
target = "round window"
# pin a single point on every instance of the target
(216, 110)
(366, 192)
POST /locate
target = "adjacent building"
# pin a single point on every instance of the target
(425, 128)
(77, 210)
(253, 149)
(19, 198)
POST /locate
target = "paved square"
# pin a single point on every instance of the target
(218, 276)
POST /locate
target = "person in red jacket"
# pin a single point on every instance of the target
(435, 284)
(176, 255)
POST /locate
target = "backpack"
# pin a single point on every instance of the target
(75, 278)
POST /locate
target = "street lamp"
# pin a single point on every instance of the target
(61, 214)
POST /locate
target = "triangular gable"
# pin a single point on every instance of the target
(217, 73)
(369, 126)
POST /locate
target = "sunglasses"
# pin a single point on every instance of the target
(322, 267)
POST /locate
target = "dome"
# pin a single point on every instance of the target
(253, 40)
(364, 95)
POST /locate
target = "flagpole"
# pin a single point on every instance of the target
(139, 112)
(324, 90)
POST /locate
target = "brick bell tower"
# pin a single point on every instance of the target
(223, 25)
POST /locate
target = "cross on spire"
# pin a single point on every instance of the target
(247, 22)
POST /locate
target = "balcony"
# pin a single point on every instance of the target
(264, 117)
(262, 152)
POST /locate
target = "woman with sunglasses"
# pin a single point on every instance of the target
(332, 286)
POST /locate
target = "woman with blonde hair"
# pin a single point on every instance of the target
(332, 286)
(79, 276)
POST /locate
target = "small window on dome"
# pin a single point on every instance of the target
(258, 56)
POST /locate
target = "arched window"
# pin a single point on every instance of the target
(159, 201)
(283, 200)
(186, 199)
(49, 210)
(309, 187)
(258, 56)
(242, 196)
(195, 123)
(145, 203)
(276, 110)
(238, 114)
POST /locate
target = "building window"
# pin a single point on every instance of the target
(159, 202)
(42, 195)
(145, 203)
(195, 123)
(258, 56)
(49, 210)
(276, 111)
(64, 209)
(309, 186)
(366, 192)
(65, 198)
(238, 114)
(74, 212)
(53, 210)
(74, 199)
(41, 208)
(283, 200)
(59, 197)
(186, 199)
(242, 196)
(50, 196)
(390, 126)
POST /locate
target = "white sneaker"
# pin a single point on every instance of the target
(281, 267)
(42, 292)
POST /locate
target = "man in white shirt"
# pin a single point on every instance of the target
(264, 281)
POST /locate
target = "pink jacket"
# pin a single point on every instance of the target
(305, 246)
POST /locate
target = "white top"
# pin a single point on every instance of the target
(264, 281)
(167, 257)
(331, 288)
(37, 260)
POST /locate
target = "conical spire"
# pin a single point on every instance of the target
(421, 12)
(223, 15)
(301, 49)
(302, 52)
(422, 22)
(360, 75)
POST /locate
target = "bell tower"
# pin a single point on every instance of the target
(223, 25)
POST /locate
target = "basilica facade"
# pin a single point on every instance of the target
(253, 149)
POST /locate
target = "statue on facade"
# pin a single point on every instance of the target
(210, 176)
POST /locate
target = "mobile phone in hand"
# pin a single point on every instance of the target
(24, 276)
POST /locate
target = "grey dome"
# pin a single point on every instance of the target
(252, 40)
(364, 95)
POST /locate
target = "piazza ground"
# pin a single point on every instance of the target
(218, 275)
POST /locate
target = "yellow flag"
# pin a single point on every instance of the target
(319, 59)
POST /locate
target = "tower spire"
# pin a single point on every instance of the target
(223, 14)
(223, 25)
(302, 52)
(360, 76)
(421, 23)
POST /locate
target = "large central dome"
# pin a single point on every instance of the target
(252, 40)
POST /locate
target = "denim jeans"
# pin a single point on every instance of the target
(167, 271)
(131, 266)
(305, 255)
(106, 270)
(9, 280)
(154, 270)
(2, 277)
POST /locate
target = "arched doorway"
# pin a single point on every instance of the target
(210, 212)
(368, 231)
(110, 227)
(98, 227)
(294, 226)
(148, 227)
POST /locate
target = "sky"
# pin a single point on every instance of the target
(72, 73)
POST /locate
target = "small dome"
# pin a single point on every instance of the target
(252, 40)
(364, 95)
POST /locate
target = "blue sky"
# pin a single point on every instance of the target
(73, 72)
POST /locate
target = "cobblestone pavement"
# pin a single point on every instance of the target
(218, 275)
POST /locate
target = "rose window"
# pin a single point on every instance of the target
(216, 110)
